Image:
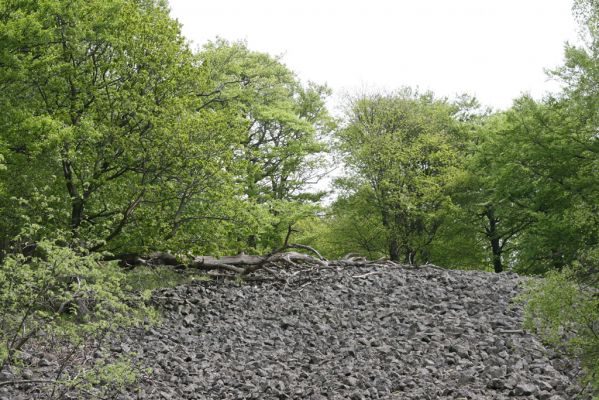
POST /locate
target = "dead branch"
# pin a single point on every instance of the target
(367, 274)
(244, 264)
(511, 331)
(433, 266)
(304, 247)
(240, 260)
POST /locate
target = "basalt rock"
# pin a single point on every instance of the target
(370, 332)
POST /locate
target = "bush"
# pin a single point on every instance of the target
(565, 313)
(56, 296)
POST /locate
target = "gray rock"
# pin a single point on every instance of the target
(6, 376)
(496, 371)
(544, 385)
(44, 362)
(409, 334)
(525, 389)
(496, 384)
(27, 374)
(350, 381)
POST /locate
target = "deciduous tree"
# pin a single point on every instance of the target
(403, 147)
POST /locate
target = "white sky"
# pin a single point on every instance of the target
(494, 49)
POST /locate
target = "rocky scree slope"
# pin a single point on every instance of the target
(345, 333)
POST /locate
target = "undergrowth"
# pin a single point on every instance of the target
(564, 312)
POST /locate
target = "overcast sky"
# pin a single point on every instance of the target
(494, 49)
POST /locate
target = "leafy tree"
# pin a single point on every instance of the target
(559, 163)
(281, 148)
(553, 179)
(354, 224)
(401, 147)
(103, 121)
(487, 194)
(458, 244)
(532, 181)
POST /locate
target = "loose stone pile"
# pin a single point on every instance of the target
(346, 333)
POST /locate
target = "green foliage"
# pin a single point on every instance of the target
(102, 117)
(532, 170)
(144, 279)
(117, 138)
(555, 171)
(458, 245)
(132, 143)
(566, 315)
(403, 148)
(485, 192)
(281, 148)
(118, 373)
(50, 290)
(355, 225)
(551, 179)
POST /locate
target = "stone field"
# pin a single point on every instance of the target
(370, 332)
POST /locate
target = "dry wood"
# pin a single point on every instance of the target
(509, 331)
(367, 274)
(241, 264)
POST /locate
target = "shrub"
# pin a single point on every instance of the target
(564, 311)
(53, 294)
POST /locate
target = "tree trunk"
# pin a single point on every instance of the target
(494, 239)
(393, 248)
(393, 242)
(410, 257)
(77, 203)
(496, 248)
(76, 213)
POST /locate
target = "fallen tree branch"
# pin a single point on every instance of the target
(433, 266)
(234, 263)
(304, 247)
(241, 264)
(510, 331)
(244, 264)
(367, 274)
